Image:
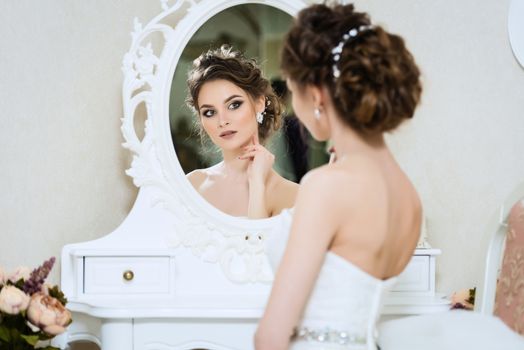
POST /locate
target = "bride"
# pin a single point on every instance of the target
(356, 221)
(238, 111)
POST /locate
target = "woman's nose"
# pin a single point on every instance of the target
(222, 121)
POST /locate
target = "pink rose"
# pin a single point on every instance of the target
(13, 300)
(21, 272)
(45, 288)
(3, 278)
(460, 299)
(48, 314)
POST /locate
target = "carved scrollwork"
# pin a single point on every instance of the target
(145, 75)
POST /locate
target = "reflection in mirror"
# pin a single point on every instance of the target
(256, 31)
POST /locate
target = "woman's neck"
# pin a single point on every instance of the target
(231, 165)
(347, 142)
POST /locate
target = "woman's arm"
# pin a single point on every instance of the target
(257, 208)
(259, 169)
(314, 225)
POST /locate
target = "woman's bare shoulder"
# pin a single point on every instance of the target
(197, 177)
(340, 186)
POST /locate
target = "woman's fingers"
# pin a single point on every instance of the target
(255, 139)
(252, 150)
(250, 154)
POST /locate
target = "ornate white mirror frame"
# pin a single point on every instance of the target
(175, 259)
(155, 167)
(516, 29)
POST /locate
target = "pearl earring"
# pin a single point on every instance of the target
(260, 117)
(317, 113)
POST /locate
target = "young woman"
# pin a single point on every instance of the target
(238, 111)
(356, 221)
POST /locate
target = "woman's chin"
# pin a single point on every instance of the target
(319, 136)
(231, 145)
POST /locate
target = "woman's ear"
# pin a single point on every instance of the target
(260, 104)
(316, 94)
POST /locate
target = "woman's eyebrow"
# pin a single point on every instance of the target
(230, 98)
(225, 101)
(205, 106)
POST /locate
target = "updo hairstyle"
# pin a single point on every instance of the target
(225, 63)
(379, 84)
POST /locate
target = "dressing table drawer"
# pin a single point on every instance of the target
(126, 275)
(416, 277)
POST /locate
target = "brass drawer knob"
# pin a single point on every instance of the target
(128, 275)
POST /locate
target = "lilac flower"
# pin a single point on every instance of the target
(38, 276)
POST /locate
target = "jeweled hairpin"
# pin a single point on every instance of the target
(337, 50)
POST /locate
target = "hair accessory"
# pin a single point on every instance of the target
(317, 113)
(260, 117)
(337, 50)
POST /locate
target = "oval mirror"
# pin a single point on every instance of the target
(154, 78)
(257, 31)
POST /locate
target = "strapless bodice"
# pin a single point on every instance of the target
(345, 301)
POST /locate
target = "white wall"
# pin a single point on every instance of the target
(464, 149)
(62, 178)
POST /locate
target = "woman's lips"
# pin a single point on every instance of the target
(227, 134)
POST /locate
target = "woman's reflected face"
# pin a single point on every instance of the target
(227, 114)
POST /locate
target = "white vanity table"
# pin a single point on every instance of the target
(129, 291)
(178, 273)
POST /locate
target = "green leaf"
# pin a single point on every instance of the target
(471, 298)
(4, 334)
(44, 336)
(30, 339)
(20, 284)
(56, 293)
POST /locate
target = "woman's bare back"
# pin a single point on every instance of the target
(381, 226)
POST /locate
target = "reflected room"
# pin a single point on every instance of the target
(257, 31)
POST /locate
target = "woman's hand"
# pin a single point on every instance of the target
(260, 165)
(260, 162)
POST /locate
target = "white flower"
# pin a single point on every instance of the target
(21, 272)
(13, 300)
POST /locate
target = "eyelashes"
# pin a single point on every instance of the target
(208, 113)
(235, 104)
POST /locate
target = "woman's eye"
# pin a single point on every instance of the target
(208, 113)
(235, 104)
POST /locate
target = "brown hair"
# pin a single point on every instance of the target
(225, 63)
(379, 84)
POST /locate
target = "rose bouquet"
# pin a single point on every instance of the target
(31, 312)
(463, 299)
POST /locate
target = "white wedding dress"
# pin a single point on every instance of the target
(345, 304)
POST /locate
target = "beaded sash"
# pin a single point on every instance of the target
(327, 335)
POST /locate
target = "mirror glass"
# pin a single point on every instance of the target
(257, 31)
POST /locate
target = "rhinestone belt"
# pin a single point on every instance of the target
(327, 335)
